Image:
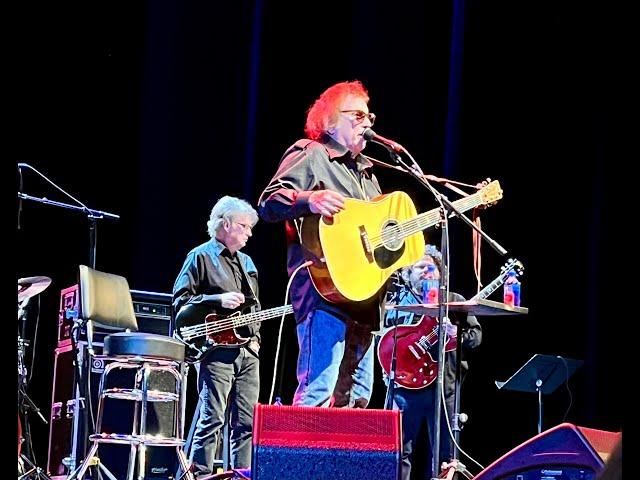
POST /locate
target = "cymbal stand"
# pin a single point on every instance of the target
(25, 404)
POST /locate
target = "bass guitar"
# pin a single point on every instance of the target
(202, 330)
(417, 345)
(355, 252)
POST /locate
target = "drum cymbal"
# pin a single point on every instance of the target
(31, 286)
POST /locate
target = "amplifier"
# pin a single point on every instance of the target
(152, 310)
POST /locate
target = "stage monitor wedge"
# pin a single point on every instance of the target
(564, 452)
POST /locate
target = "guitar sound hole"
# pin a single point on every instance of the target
(392, 236)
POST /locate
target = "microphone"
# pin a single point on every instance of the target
(372, 136)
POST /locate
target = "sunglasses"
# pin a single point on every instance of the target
(359, 115)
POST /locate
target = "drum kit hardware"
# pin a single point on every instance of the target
(31, 286)
(28, 288)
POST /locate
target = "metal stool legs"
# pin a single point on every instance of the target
(138, 439)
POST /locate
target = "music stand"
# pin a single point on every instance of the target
(542, 374)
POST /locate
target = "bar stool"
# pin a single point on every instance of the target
(142, 353)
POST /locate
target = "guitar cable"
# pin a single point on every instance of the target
(451, 435)
(286, 296)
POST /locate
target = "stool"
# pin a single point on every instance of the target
(145, 353)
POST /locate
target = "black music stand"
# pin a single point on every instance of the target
(542, 374)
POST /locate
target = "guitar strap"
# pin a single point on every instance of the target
(247, 289)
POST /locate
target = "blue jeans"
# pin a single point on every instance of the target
(225, 373)
(335, 362)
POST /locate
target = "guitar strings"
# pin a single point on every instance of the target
(415, 225)
(230, 322)
(226, 323)
(429, 337)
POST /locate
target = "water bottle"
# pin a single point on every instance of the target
(430, 285)
(511, 294)
(278, 402)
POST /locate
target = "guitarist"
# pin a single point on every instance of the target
(417, 404)
(335, 360)
(218, 274)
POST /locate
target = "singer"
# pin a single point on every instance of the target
(315, 175)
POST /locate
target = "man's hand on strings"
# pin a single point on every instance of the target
(326, 202)
(231, 300)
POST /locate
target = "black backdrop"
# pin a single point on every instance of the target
(154, 110)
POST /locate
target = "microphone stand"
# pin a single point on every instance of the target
(92, 215)
(446, 209)
(391, 387)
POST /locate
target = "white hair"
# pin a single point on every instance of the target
(226, 209)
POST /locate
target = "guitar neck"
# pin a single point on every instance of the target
(499, 280)
(492, 287)
(432, 217)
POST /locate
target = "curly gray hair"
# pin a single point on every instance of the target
(226, 209)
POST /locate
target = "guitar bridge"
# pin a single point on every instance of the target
(366, 244)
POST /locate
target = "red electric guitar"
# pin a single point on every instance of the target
(418, 344)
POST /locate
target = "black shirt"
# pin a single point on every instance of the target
(211, 270)
(317, 165)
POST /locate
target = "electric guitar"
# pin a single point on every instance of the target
(417, 344)
(356, 251)
(202, 330)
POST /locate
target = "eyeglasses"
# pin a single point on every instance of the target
(359, 115)
(245, 226)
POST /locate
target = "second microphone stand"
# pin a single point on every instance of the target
(446, 209)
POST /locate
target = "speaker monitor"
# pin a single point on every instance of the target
(564, 452)
(313, 443)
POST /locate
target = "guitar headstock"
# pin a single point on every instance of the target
(513, 264)
(490, 193)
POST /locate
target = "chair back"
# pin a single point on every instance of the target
(105, 300)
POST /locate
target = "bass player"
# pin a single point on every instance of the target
(219, 275)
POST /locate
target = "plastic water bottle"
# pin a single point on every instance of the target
(430, 285)
(511, 294)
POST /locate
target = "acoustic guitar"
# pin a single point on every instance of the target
(356, 251)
